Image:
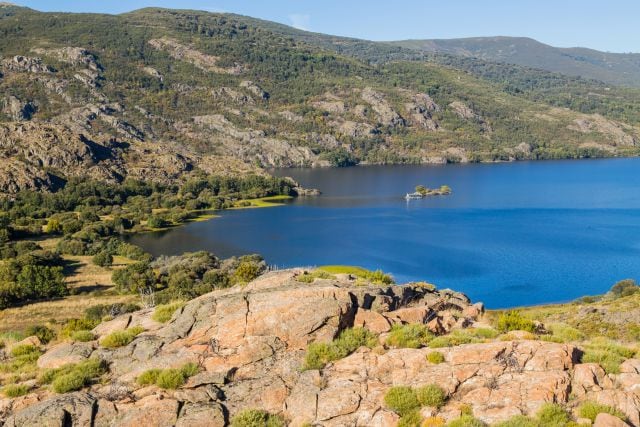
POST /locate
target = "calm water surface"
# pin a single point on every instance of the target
(510, 234)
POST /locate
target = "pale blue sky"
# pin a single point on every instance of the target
(610, 25)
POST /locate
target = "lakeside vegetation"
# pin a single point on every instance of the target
(88, 219)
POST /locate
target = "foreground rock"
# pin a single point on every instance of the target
(250, 344)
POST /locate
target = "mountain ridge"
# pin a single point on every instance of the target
(610, 67)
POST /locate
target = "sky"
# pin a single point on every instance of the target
(610, 25)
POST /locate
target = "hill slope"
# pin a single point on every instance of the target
(613, 68)
(175, 92)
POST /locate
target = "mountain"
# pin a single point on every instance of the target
(177, 92)
(612, 68)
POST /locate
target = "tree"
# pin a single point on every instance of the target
(103, 259)
(421, 189)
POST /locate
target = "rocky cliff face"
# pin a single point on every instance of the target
(249, 344)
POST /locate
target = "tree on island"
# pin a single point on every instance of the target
(421, 189)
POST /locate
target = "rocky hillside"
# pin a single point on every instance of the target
(329, 352)
(174, 92)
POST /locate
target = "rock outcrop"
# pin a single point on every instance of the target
(250, 343)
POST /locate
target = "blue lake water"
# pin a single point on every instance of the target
(510, 234)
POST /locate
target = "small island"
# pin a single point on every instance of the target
(422, 192)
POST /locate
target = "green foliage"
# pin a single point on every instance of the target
(431, 395)
(74, 325)
(413, 335)
(463, 336)
(310, 277)
(377, 277)
(519, 421)
(565, 333)
(133, 278)
(402, 400)
(169, 379)
(624, 288)
(246, 272)
(43, 333)
(163, 313)
(412, 419)
(514, 321)
(73, 377)
(607, 354)
(156, 221)
(551, 415)
(148, 377)
(591, 410)
(349, 340)
(82, 336)
(256, 418)
(31, 276)
(435, 357)
(121, 338)
(15, 390)
(24, 350)
(466, 421)
(340, 158)
(103, 259)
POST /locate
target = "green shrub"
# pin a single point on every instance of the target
(318, 355)
(376, 277)
(24, 350)
(82, 336)
(565, 333)
(256, 418)
(551, 415)
(466, 421)
(163, 313)
(189, 369)
(349, 340)
(23, 360)
(624, 288)
(435, 357)
(413, 335)
(352, 339)
(431, 395)
(246, 272)
(103, 259)
(73, 377)
(44, 334)
(457, 337)
(402, 400)
(74, 325)
(121, 338)
(607, 354)
(514, 321)
(170, 379)
(412, 419)
(519, 421)
(148, 377)
(592, 409)
(15, 390)
(68, 382)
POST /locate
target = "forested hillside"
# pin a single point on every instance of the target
(160, 94)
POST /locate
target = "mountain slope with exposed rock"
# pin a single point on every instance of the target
(175, 92)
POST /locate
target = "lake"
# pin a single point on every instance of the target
(511, 234)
